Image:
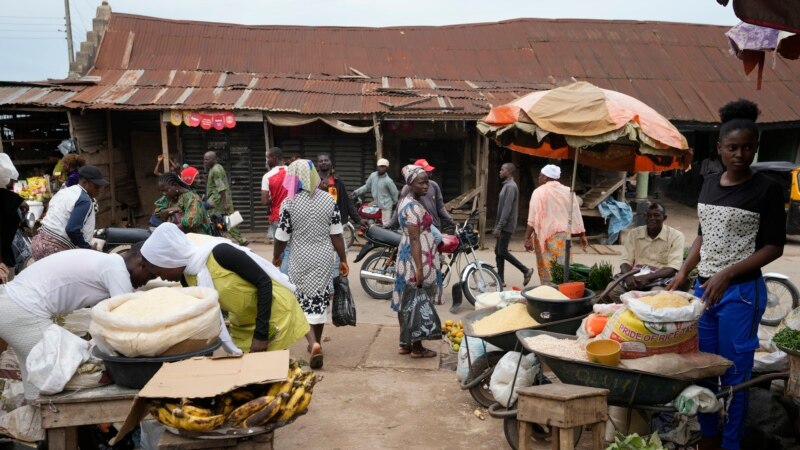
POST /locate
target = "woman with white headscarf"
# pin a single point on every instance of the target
(311, 224)
(416, 266)
(260, 302)
(548, 221)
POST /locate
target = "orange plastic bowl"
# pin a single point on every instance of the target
(573, 289)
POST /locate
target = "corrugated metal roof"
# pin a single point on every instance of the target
(682, 70)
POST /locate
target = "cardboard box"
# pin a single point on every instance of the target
(206, 377)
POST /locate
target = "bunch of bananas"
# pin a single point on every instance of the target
(247, 407)
(455, 333)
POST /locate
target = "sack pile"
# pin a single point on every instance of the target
(150, 323)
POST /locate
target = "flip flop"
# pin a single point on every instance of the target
(428, 353)
(315, 362)
(404, 350)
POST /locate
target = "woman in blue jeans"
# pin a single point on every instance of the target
(742, 229)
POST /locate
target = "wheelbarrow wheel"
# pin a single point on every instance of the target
(540, 433)
(480, 365)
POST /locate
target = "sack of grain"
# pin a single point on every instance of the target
(663, 306)
(640, 338)
(506, 376)
(150, 323)
(685, 366)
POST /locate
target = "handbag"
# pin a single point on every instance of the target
(232, 220)
(344, 309)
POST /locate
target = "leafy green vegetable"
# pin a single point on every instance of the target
(636, 442)
(577, 272)
(600, 275)
(788, 339)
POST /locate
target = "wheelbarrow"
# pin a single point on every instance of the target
(634, 389)
(481, 368)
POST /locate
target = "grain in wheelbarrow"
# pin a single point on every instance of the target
(563, 348)
(514, 317)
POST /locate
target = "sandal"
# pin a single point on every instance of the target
(427, 353)
(403, 350)
(315, 362)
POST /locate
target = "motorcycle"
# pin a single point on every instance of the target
(782, 298)
(118, 239)
(377, 273)
(368, 215)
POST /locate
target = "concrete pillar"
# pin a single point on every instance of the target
(642, 184)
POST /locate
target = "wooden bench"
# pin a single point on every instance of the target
(64, 412)
(562, 407)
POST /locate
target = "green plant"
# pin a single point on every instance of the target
(577, 272)
(636, 442)
(599, 276)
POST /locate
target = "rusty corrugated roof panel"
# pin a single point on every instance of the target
(682, 70)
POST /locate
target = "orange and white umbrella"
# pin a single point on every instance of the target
(614, 131)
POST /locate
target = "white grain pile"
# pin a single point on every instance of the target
(563, 348)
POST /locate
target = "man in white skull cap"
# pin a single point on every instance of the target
(382, 188)
(262, 309)
(548, 221)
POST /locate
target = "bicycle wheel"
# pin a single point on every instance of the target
(378, 263)
(782, 298)
(349, 235)
(480, 281)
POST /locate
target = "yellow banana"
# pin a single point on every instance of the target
(242, 395)
(224, 406)
(303, 405)
(263, 416)
(196, 411)
(274, 389)
(297, 394)
(165, 417)
(249, 408)
(195, 423)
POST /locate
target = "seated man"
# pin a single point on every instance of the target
(655, 249)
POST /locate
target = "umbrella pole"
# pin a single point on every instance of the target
(568, 244)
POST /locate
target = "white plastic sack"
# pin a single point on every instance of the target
(503, 376)
(146, 336)
(13, 395)
(696, 399)
(792, 320)
(477, 348)
(776, 361)
(607, 309)
(647, 313)
(52, 362)
(24, 423)
(497, 300)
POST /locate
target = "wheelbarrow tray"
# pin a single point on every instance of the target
(626, 387)
(507, 340)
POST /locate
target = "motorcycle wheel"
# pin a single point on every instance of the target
(782, 298)
(480, 281)
(380, 290)
(349, 233)
(119, 249)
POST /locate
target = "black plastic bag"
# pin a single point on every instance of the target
(344, 310)
(420, 320)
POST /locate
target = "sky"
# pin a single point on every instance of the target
(33, 37)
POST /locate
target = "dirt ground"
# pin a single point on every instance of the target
(373, 398)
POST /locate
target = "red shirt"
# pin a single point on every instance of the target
(273, 182)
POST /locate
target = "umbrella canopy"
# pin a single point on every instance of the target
(615, 131)
(751, 42)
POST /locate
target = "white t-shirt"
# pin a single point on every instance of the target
(69, 280)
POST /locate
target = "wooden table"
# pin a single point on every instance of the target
(63, 413)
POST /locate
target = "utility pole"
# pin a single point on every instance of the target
(69, 33)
